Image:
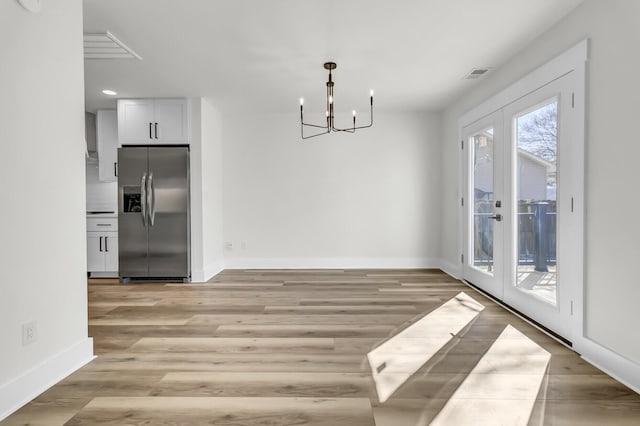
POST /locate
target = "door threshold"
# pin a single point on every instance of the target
(536, 324)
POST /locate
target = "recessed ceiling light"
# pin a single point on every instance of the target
(109, 92)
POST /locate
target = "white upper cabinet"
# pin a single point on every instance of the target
(107, 145)
(153, 121)
(172, 117)
(135, 120)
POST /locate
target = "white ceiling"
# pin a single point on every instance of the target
(263, 55)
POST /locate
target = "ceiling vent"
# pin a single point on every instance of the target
(106, 46)
(477, 73)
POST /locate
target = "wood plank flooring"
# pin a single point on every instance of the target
(277, 347)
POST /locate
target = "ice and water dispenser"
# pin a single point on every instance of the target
(131, 199)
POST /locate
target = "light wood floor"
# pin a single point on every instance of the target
(291, 348)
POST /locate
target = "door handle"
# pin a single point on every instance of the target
(497, 218)
(150, 135)
(106, 247)
(151, 200)
(115, 169)
(100, 243)
(156, 130)
(143, 199)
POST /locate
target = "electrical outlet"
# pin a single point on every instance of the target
(29, 333)
(229, 245)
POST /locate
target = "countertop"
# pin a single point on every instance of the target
(101, 214)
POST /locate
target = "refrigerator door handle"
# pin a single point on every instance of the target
(151, 200)
(143, 199)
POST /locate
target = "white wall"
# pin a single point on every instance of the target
(42, 188)
(195, 190)
(212, 231)
(206, 190)
(611, 234)
(369, 199)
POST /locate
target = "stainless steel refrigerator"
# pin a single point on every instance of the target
(153, 213)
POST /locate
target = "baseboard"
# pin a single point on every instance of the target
(197, 276)
(451, 269)
(212, 270)
(332, 263)
(209, 271)
(620, 368)
(32, 383)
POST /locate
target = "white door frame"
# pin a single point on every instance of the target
(573, 61)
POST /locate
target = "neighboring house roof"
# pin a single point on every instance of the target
(526, 154)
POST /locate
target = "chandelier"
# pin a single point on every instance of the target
(330, 126)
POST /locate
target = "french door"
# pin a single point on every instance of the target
(484, 249)
(518, 205)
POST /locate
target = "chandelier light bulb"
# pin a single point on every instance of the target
(371, 93)
(327, 113)
(354, 112)
(330, 99)
(301, 101)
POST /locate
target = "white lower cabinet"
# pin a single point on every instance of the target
(102, 247)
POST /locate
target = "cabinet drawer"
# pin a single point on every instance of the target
(102, 224)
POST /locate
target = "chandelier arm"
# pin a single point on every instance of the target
(346, 129)
(370, 120)
(352, 129)
(312, 136)
(314, 125)
(363, 127)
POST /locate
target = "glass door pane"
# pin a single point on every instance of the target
(536, 134)
(482, 199)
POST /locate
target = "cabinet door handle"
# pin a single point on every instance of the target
(156, 130)
(150, 136)
(100, 243)
(106, 247)
(115, 169)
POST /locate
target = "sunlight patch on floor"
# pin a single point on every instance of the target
(502, 388)
(397, 359)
